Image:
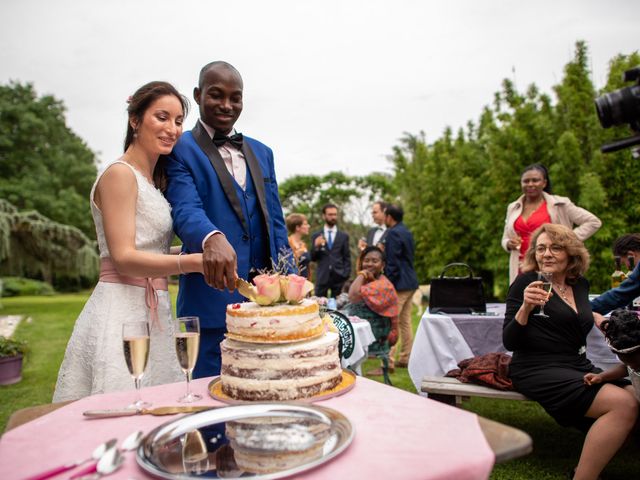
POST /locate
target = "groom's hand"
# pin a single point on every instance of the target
(220, 263)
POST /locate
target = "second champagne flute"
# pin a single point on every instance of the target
(135, 341)
(187, 338)
(547, 284)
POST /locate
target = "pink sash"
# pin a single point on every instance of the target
(109, 274)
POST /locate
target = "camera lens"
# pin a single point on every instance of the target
(619, 107)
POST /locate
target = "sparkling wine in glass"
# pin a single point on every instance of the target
(547, 284)
(187, 338)
(135, 341)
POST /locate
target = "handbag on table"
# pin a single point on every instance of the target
(457, 294)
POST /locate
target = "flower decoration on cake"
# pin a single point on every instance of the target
(273, 286)
(269, 289)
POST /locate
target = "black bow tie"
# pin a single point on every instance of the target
(236, 140)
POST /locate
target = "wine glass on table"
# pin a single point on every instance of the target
(547, 284)
(187, 338)
(135, 341)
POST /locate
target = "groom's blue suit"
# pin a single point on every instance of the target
(205, 197)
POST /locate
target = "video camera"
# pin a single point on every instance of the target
(619, 107)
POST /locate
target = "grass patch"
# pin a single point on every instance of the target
(46, 333)
(556, 449)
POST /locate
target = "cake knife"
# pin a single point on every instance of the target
(128, 412)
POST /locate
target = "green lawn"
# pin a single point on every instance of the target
(556, 449)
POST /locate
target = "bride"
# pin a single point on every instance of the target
(134, 230)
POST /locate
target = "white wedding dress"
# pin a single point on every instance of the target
(94, 360)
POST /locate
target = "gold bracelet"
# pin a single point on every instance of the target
(179, 264)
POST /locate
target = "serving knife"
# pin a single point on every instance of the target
(129, 412)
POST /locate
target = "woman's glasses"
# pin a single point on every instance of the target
(555, 249)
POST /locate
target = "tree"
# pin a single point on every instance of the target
(455, 191)
(33, 246)
(44, 166)
(307, 194)
(353, 195)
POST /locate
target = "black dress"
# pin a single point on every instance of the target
(549, 354)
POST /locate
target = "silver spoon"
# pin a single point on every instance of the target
(132, 441)
(110, 462)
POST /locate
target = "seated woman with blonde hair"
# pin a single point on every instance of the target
(549, 362)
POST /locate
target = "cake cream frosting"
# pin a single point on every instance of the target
(255, 371)
(278, 323)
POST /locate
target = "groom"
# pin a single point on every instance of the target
(224, 199)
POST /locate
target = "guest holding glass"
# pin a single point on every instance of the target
(372, 297)
(134, 232)
(535, 207)
(375, 235)
(330, 250)
(549, 360)
(298, 227)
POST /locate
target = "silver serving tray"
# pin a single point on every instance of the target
(260, 440)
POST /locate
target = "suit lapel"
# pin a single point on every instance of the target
(258, 181)
(204, 142)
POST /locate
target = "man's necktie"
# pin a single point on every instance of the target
(220, 139)
(330, 239)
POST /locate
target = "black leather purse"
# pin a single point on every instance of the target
(457, 294)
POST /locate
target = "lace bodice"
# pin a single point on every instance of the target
(154, 231)
(93, 362)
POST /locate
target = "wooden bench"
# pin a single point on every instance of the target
(451, 391)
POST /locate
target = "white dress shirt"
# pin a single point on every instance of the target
(333, 231)
(233, 158)
(377, 235)
(234, 161)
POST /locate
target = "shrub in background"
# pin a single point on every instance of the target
(18, 286)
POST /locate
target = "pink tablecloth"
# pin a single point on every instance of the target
(397, 435)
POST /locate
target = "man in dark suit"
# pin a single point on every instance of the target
(400, 249)
(331, 253)
(224, 198)
(375, 235)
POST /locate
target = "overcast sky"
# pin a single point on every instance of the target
(329, 85)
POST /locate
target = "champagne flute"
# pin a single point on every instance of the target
(187, 338)
(135, 341)
(547, 285)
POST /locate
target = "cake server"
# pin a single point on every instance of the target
(128, 412)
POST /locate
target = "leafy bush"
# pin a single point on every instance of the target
(11, 348)
(18, 286)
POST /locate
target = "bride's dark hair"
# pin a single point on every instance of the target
(139, 102)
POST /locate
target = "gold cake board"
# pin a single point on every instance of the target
(347, 383)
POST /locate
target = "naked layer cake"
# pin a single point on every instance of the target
(277, 323)
(255, 371)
